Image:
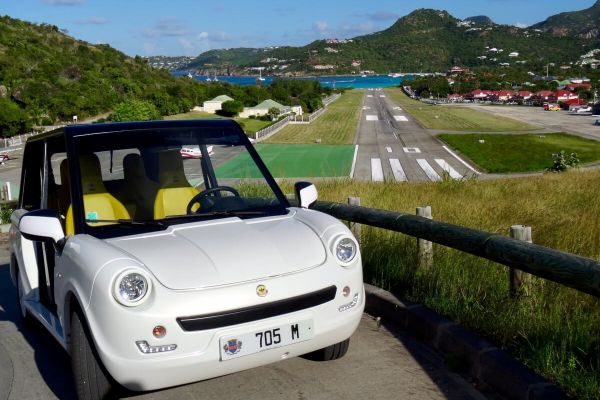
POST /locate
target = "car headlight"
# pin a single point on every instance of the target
(345, 249)
(131, 287)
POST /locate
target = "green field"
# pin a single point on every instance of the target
(520, 153)
(249, 125)
(455, 118)
(554, 329)
(336, 126)
(294, 161)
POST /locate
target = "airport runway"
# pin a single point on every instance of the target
(394, 147)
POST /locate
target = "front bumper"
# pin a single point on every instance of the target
(198, 356)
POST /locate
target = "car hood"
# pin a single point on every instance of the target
(226, 251)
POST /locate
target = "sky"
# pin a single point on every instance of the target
(188, 27)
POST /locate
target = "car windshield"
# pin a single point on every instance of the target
(148, 179)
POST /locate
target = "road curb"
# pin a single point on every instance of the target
(485, 362)
(6, 374)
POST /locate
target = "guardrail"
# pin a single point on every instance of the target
(271, 129)
(578, 272)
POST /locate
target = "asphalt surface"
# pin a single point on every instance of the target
(381, 364)
(394, 147)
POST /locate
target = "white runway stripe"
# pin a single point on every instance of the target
(400, 118)
(446, 167)
(429, 171)
(376, 170)
(397, 170)
(461, 160)
(372, 118)
(388, 149)
(369, 95)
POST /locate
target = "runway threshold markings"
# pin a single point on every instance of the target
(388, 149)
(372, 118)
(414, 150)
(428, 169)
(400, 118)
(369, 95)
(448, 168)
(397, 170)
(376, 170)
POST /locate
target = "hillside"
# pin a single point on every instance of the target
(424, 40)
(584, 23)
(47, 76)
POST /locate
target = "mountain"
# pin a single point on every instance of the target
(480, 20)
(48, 76)
(584, 23)
(424, 40)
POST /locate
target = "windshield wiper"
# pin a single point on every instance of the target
(129, 222)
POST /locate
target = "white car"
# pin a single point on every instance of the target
(149, 281)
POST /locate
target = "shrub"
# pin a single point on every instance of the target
(562, 161)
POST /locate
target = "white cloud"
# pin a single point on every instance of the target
(521, 25)
(320, 27)
(63, 2)
(92, 21)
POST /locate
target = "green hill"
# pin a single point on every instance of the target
(424, 40)
(47, 76)
(584, 23)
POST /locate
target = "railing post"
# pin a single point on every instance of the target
(519, 280)
(354, 227)
(425, 246)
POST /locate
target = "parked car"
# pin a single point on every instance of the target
(553, 107)
(152, 272)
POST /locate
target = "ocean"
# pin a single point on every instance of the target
(338, 81)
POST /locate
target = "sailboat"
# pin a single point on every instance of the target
(260, 78)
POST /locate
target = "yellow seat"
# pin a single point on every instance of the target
(98, 204)
(175, 191)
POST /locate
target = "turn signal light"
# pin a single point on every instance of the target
(159, 331)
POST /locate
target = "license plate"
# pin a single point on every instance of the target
(265, 339)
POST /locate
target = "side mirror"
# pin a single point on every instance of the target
(306, 194)
(42, 225)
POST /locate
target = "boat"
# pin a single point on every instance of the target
(189, 75)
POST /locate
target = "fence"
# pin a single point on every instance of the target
(5, 192)
(580, 273)
(271, 129)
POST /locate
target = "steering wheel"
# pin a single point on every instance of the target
(201, 198)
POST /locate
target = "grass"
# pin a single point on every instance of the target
(555, 330)
(249, 125)
(336, 126)
(455, 118)
(293, 161)
(521, 153)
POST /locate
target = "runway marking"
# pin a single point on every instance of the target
(354, 161)
(369, 95)
(446, 167)
(397, 170)
(397, 109)
(382, 95)
(400, 118)
(428, 169)
(376, 170)
(389, 149)
(461, 160)
(366, 108)
(414, 150)
(372, 118)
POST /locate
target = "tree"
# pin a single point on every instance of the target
(231, 108)
(274, 112)
(13, 120)
(134, 110)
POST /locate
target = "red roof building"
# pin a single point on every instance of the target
(545, 94)
(565, 95)
(524, 94)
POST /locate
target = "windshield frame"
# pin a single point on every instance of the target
(75, 133)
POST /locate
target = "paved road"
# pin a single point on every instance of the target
(551, 121)
(393, 147)
(380, 365)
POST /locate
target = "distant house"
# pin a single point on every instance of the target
(214, 105)
(524, 94)
(479, 94)
(264, 107)
(514, 54)
(456, 70)
(503, 95)
(565, 95)
(455, 97)
(574, 86)
(545, 94)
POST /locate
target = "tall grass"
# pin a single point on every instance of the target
(555, 330)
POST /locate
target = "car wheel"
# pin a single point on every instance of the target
(26, 318)
(329, 353)
(92, 381)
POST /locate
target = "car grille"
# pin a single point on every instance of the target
(254, 313)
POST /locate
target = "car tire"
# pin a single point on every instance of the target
(27, 319)
(329, 353)
(92, 381)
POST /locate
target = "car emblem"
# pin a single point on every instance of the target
(233, 346)
(261, 290)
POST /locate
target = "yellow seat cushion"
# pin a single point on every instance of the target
(173, 201)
